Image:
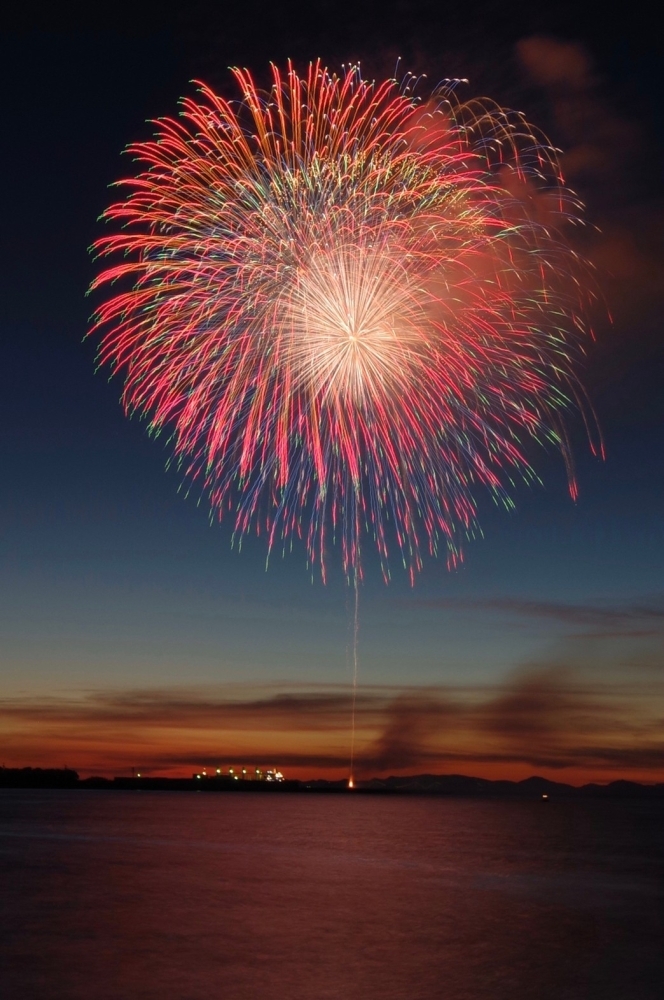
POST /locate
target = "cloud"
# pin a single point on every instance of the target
(608, 156)
(177, 709)
(541, 714)
(411, 722)
(544, 718)
(551, 62)
(600, 142)
(629, 620)
(548, 718)
(534, 707)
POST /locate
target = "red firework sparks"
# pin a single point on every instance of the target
(348, 308)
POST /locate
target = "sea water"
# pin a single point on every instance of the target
(191, 896)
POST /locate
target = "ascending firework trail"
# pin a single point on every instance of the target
(348, 308)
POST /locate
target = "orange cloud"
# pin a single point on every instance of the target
(549, 720)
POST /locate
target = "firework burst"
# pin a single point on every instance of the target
(347, 307)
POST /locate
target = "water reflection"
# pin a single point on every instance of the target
(184, 896)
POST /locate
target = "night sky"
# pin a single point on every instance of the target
(132, 635)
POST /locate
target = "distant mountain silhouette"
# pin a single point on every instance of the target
(535, 787)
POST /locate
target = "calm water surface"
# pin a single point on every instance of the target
(142, 895)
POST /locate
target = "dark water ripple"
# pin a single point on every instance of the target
(167, 896)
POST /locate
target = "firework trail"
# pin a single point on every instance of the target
(347, 308)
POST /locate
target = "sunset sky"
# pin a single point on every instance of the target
(132, 635)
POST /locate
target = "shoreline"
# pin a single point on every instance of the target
(443, 785)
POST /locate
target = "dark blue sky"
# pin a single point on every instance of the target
(112, 578)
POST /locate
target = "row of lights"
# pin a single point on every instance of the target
(270, 775)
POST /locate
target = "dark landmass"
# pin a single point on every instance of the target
(38, 777)
(459, 785)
